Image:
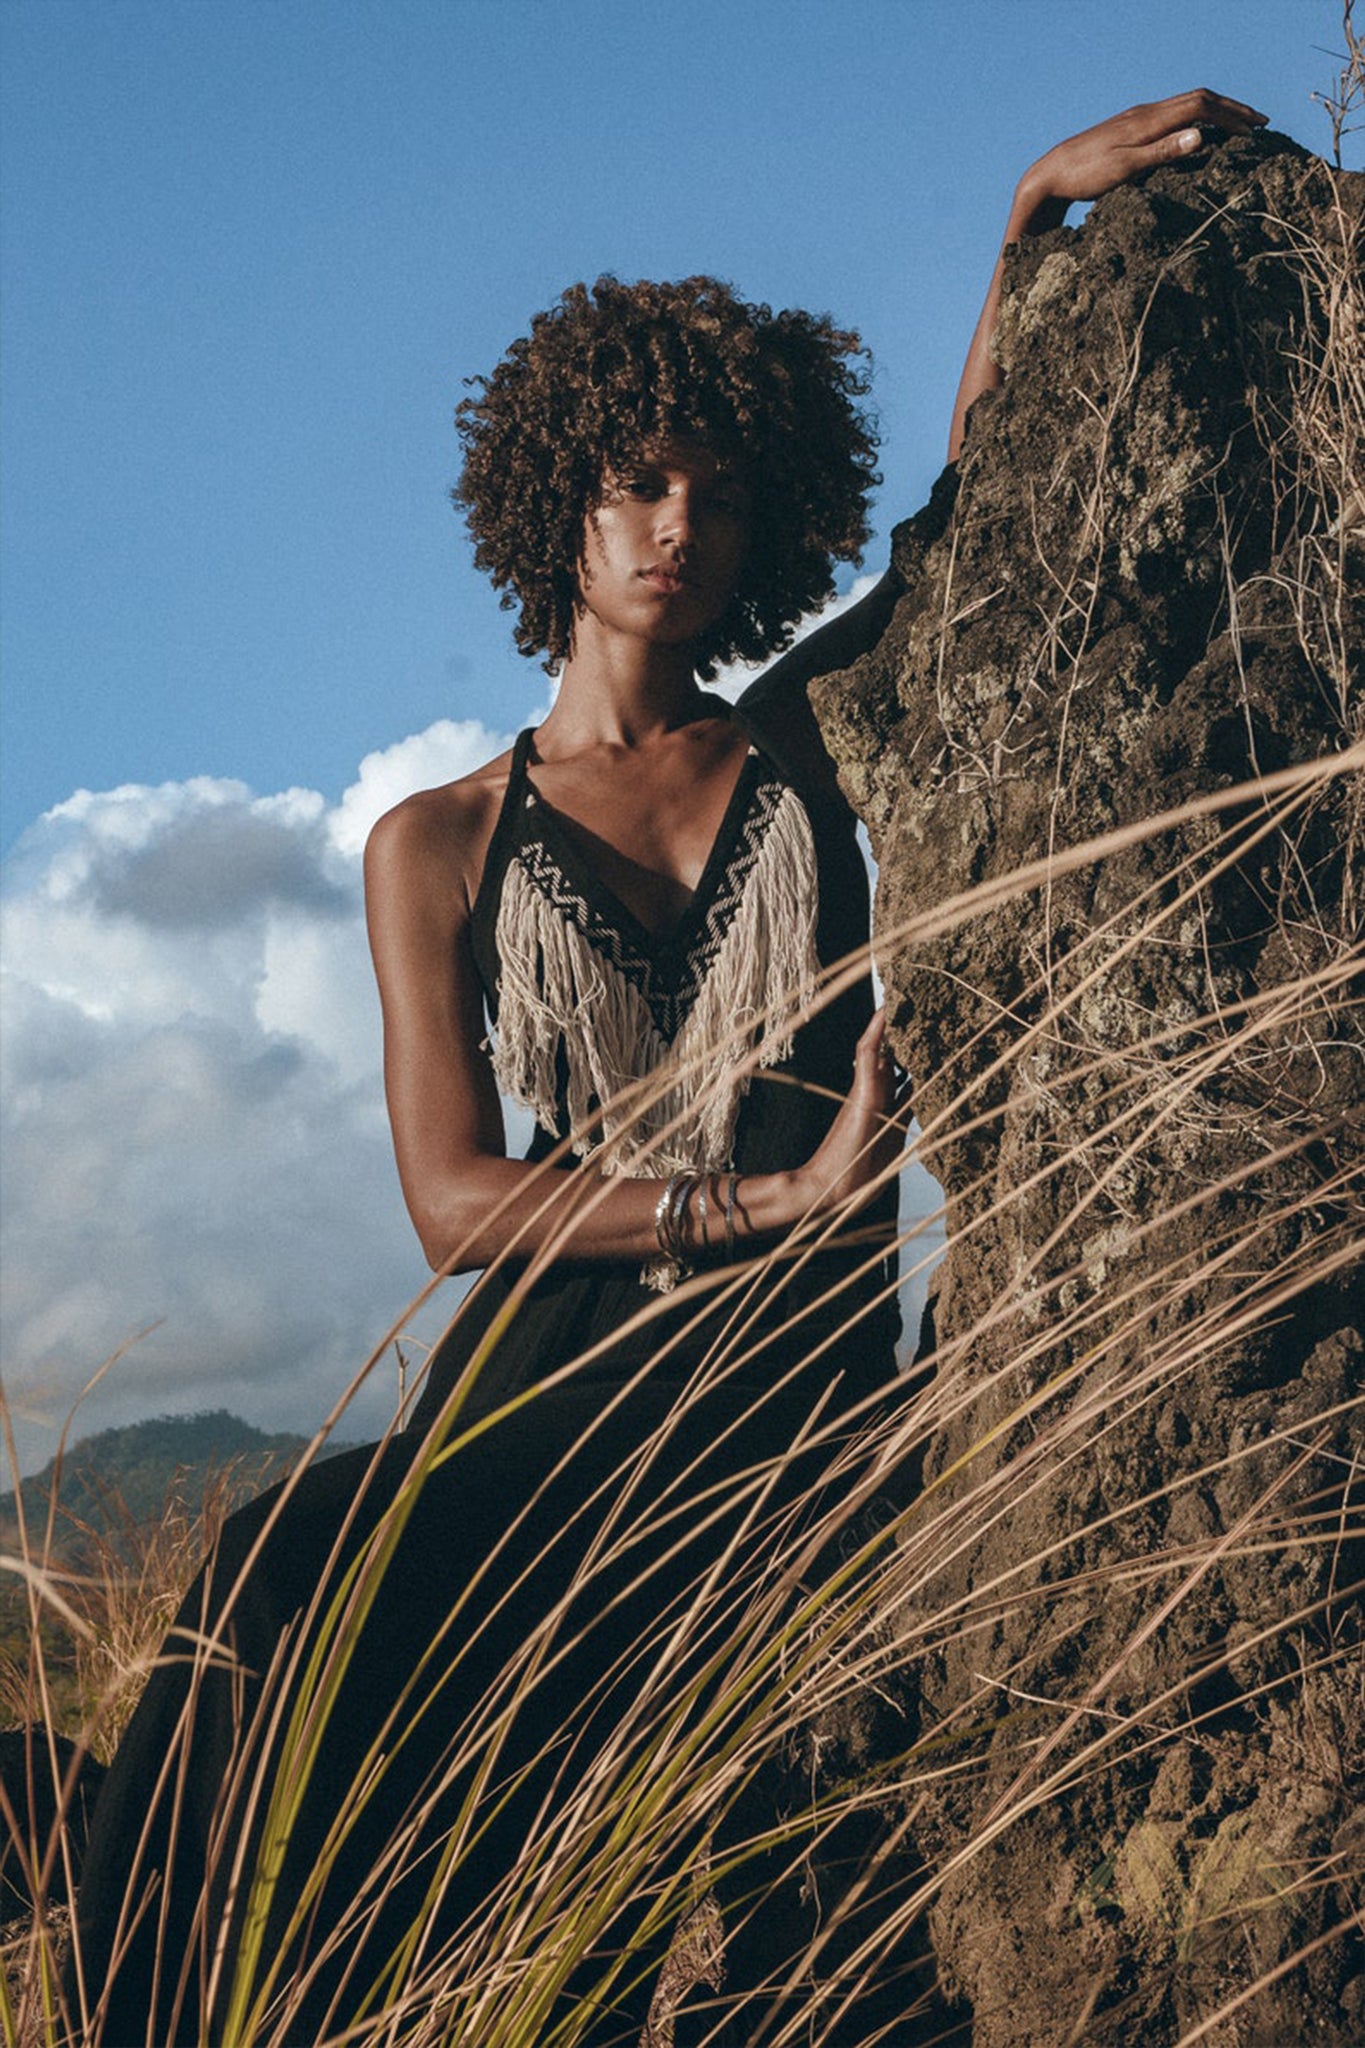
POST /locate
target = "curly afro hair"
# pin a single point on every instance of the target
(619, 368)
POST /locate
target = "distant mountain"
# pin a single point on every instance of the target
(128, 1475)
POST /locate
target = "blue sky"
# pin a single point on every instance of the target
(249, 253)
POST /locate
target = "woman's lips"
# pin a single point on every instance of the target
(668, 581)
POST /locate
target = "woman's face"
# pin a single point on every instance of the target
(663, 549)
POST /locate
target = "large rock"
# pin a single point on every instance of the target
(1136, 1635)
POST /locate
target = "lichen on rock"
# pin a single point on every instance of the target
(1138, 1067)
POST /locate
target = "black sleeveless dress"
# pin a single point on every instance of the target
(530, 1582)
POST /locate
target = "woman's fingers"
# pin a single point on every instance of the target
(874, 1071)
(1159, 131)
(1182, 108)
(1175, 127)
(1211, 108)
(872, 1047)
(892, 1090)
(1157, 121)
(863, 1139)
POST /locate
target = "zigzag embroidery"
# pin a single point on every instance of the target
(669, 983)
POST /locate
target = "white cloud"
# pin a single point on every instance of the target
(445, 751)
(194, 1133)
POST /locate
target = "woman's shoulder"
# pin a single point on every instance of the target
(442, 833)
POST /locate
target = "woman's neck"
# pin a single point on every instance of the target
(618, 691)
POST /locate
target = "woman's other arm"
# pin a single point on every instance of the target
(467, 1199)
(1084, 167)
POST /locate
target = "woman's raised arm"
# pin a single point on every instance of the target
(1084, 167)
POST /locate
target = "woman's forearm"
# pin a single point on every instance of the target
(1034, 211)
(494, 1206)
(483, 1205)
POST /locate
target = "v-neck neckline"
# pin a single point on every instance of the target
(675, 936)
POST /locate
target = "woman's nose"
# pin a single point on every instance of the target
(677, 517)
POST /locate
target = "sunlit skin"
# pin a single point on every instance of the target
(640, 767)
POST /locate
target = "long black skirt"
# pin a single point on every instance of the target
(548, 1600)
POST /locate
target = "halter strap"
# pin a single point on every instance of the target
(502, 848)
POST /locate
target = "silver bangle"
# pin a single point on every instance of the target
(670, 1217)
(663, 1214)
(682, 1203)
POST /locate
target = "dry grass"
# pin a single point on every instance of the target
(636, 1827)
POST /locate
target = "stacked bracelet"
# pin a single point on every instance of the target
(670, 1225)
(670, 1216)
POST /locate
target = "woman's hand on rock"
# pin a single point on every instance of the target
(865, 1139)
(1159, 132)
(1083, 167)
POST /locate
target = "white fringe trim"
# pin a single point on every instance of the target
(556, 989)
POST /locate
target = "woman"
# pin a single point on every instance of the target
(646, 893)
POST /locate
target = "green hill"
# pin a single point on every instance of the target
(127, 1475)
